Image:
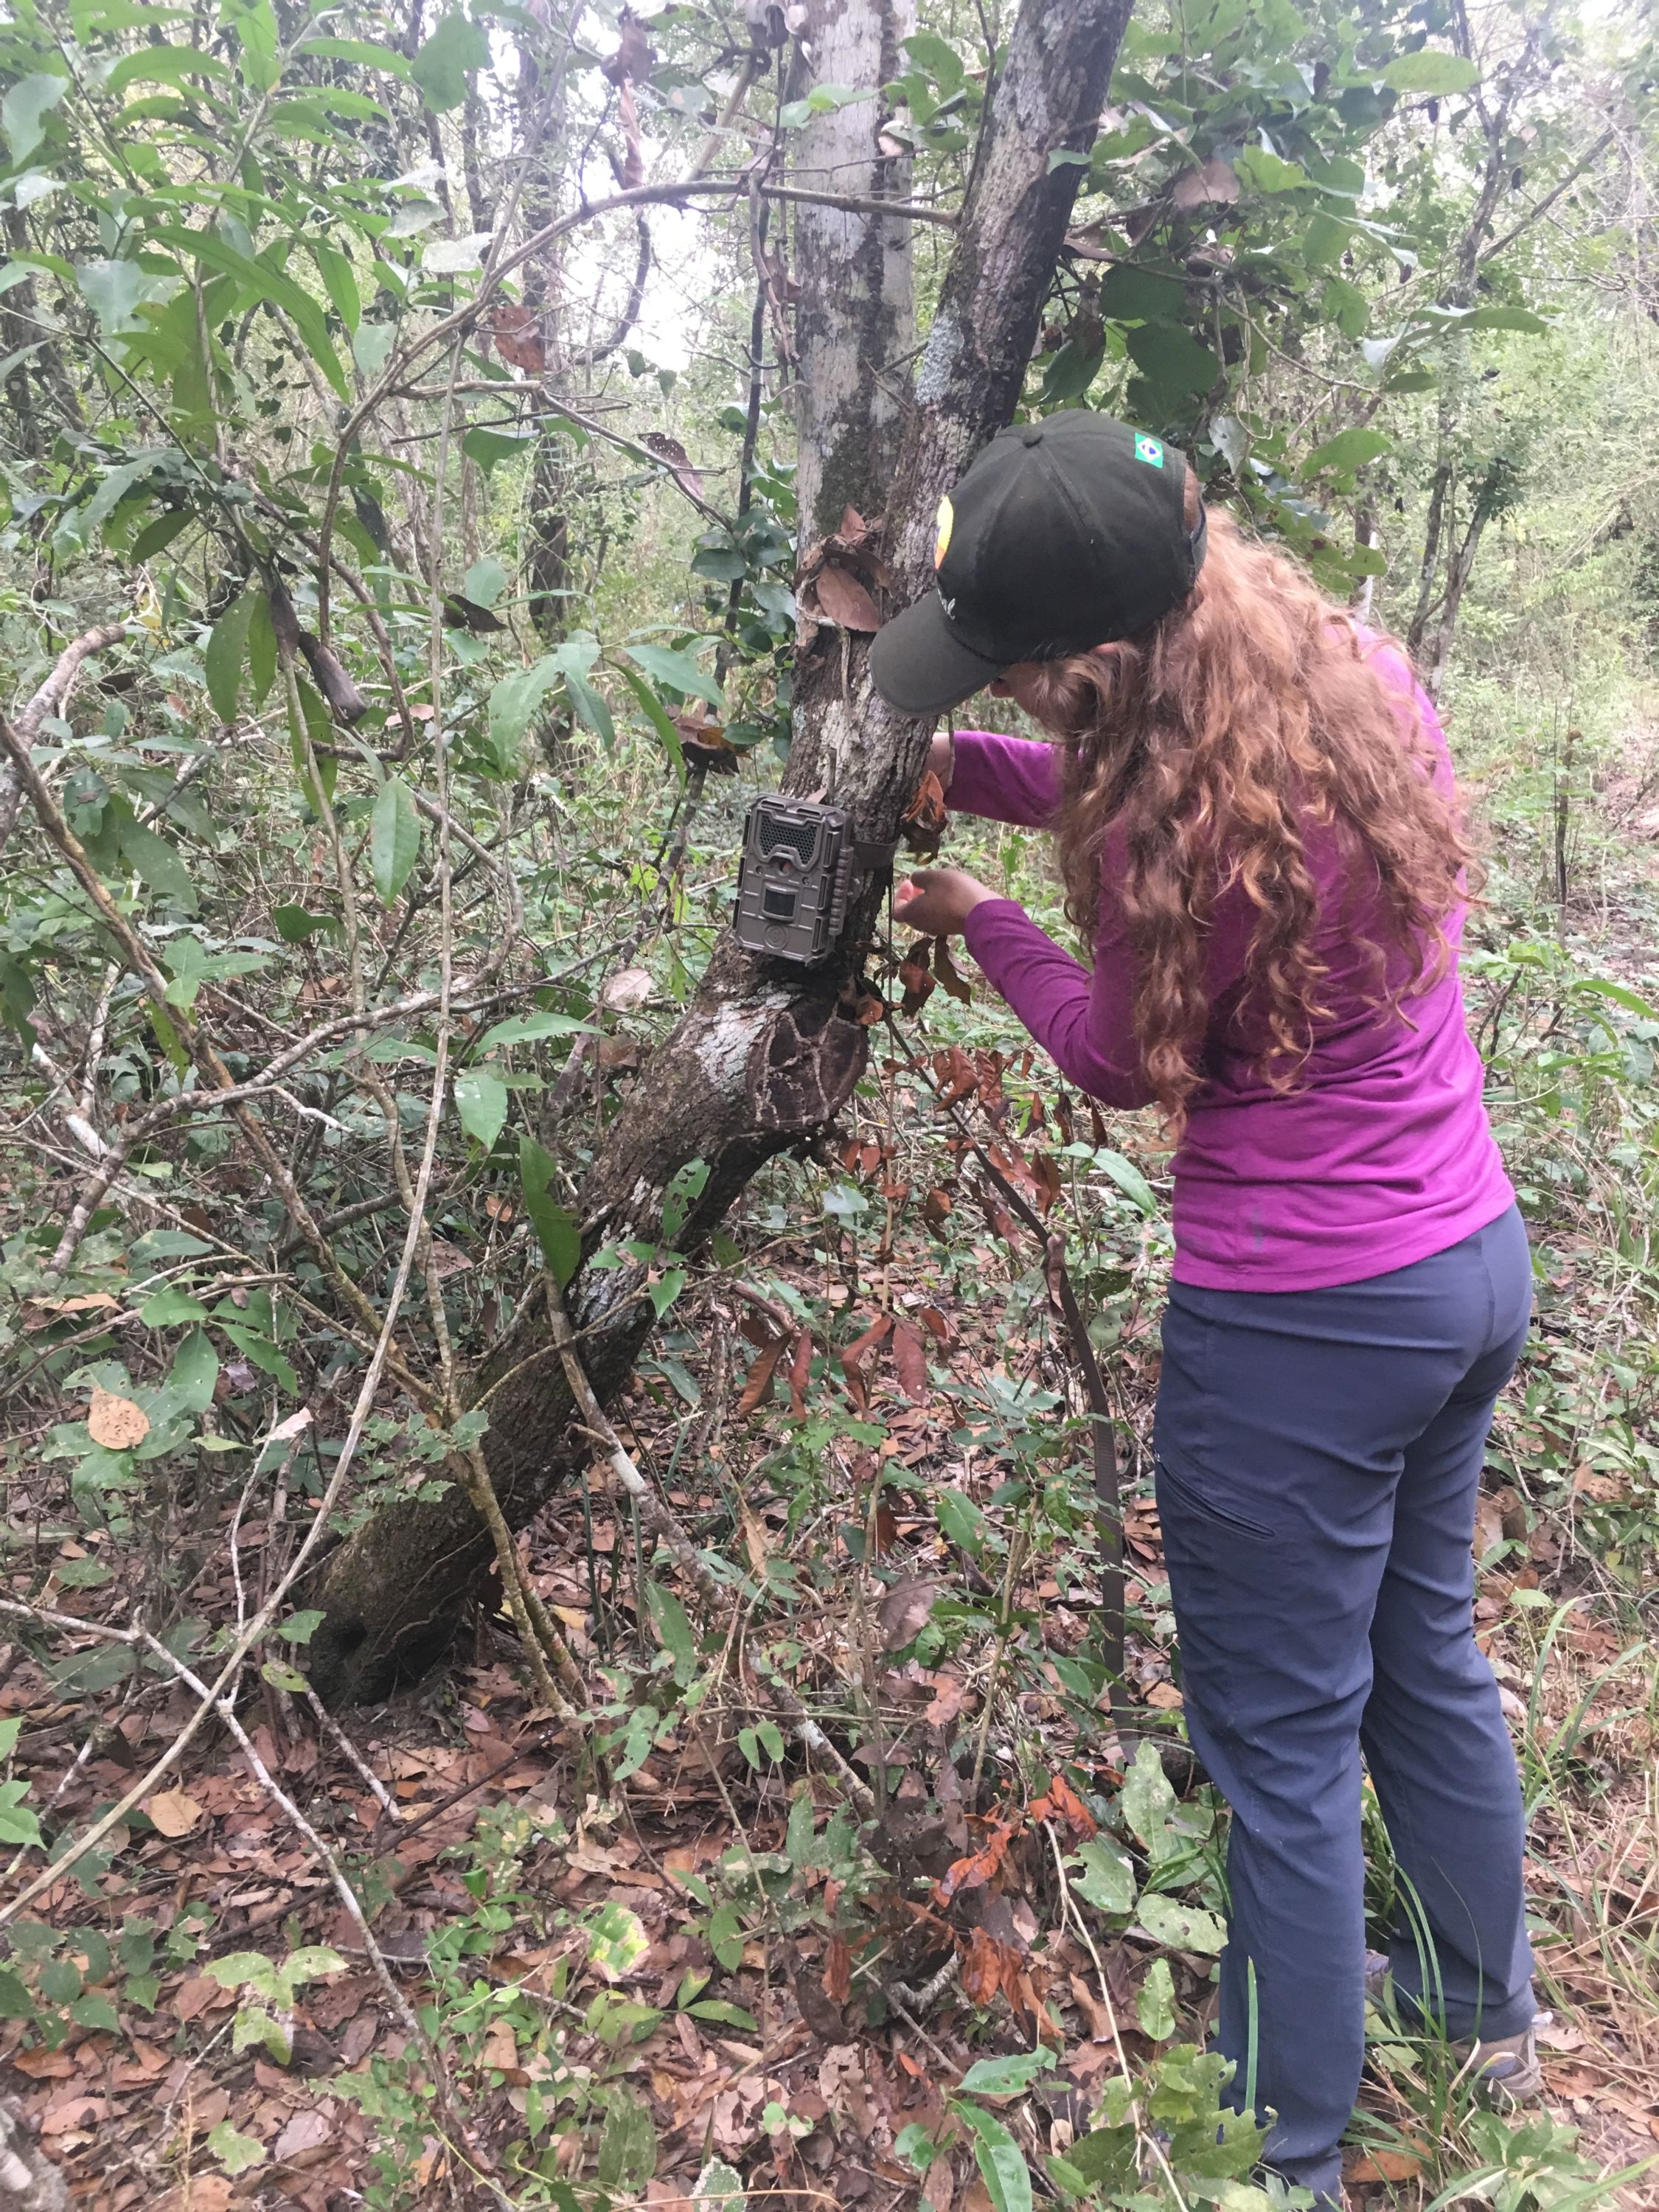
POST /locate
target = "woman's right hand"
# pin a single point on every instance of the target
(942, 757)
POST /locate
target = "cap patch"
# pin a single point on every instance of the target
(1150, 450)
(947, 518)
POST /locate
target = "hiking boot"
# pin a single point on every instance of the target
(1505, 2068)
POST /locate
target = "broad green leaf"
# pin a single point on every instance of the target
(226, 651)
(1001, 2161)
(194, 1372)
(962, 1521)
(1267, 171)
(532, 1029)
(677, 670)
(394, 839)
(1171, 360)
(1183, 1926)
(165, 65)
(617, 1941)
(1603, 987)
(823, 99)
(1106, 2160)
(255, 26)
(261, 649)
(370, 346)
(1108, 1878)
(1430, 73)
(556, 1232)
(487, 446)
(1507, 319)
(301, 1627)
(1005, 2077)
(1128, 1178)
(1148, 1801)
(359, 50)
(1131, 293)
(443, 63)
(234, 2152)
(17, 1824)
(155, 863)
(657, 714)
(627, 2156)
(240, 1970)
(485, 582)
(165, 1308)
(1155, 2005)
(671, 1621)
(1347, 450)
(339, 282)
(589, 707)
(481, 1101)
(113, 290)
(681, 1195)
(718, 2189)
(24, 110)
(294, 924)
(215, 251)
(452, 257)
(513, 702)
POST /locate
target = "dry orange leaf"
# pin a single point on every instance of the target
(173, 1812)
(1386, 2165)
(116, 1423)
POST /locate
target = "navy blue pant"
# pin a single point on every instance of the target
(1318, 1458)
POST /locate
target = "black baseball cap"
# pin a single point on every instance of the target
(1063, 534)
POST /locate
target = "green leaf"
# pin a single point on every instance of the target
(1603, 987)
(1105, 2159)
(481, 1101)
(227, 650)
(301, 1627)
(617, 1941)
(484, 582)
(1155, 2005)
(443, 63)
(165, 1308)
(1507, 319)
(338, 282)
(723, 2015)
(1266, 171)
(172, 65)
(823, 99)
(155, 863)
(725, 1937)
(1005, 2077)
(1348, 451)
(532, 1029)
(513, 702)
(718, 2188)
(682, 1193)
(556, 1232)
(1183, 1926)
(1131, 293)
(294, 924)
(1147, 1801)
(589, 707)
(962, 1521)
(672, 1622)
(657, 715)
(265, 283)
(394, 838)
(453, 257)
(371, 348)
(10, 1729)
(255, 26)
(487, 447)
(113, 290)
(1001, 2162)
(1129, 1180)
(24, 110)
(1108, 1878)
(627, 2156)
(234, 2152)
(261, 649)
(1171, 360)
(17, 1824)
(677, 670)
(1430, 73)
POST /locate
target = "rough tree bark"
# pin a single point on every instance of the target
(854, 321)
(765, 1055)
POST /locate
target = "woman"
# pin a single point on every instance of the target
(1257, 833)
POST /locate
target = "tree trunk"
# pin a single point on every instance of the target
(854, 321)
(766, 1055)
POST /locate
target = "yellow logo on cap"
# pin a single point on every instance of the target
(947, 515)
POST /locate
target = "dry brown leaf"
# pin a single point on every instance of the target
(838, 1970)
(1386, 2166)
(911, 1362)
(1214, 185)
(116, 1423)
(754, 1536)
(903, 1612)
(842, 599)
(173, 1812)
(800, 1373)
(758, 1387)
(92, 1302)
(519, 339)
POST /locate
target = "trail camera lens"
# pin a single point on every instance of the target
(778, 905)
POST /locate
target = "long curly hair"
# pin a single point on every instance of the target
(1214, 744)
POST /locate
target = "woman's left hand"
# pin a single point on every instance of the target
(936, 901)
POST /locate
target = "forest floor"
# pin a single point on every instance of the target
(666, 1962)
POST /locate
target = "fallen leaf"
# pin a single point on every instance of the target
(855, 1354)
(173, 1812)
(1386, 2165)
(627, 990)
(903, 1612)
(116, 1423)
(1215, 184)
(757, 1385)
(842, 599)
(911, 1362)
(838, 1970)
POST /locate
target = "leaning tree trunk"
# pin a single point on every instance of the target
(765, 1055)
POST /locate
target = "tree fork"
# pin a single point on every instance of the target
(765, 1057)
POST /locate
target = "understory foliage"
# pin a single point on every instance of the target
(398, 610)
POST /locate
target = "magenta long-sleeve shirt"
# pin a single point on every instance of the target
(1382, 1156)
